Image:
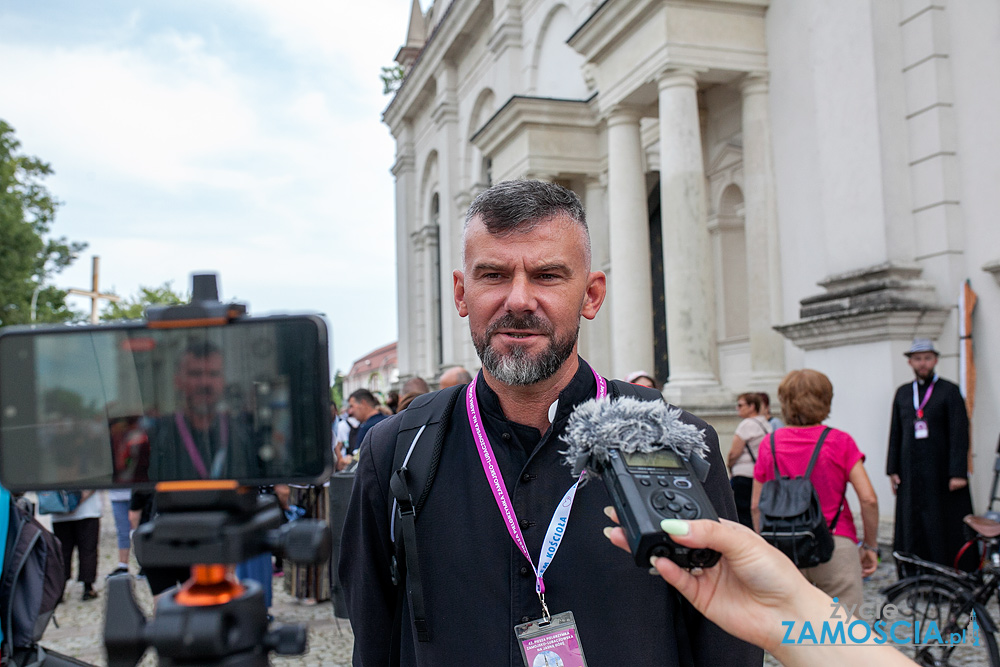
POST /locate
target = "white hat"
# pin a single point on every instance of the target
(922, 345)
(635, 375)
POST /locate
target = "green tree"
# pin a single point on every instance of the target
(67, 403)
(28, 258)
(392, 78)
(134, 307)
(337, 390)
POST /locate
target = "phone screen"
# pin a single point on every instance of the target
(125, 405)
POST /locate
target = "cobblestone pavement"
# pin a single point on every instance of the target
(81, 624)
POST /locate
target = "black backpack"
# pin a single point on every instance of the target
(791, 517)
(31, 583)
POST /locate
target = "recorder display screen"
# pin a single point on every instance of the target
(660, 459)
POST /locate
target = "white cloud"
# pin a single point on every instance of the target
(365, 33)
(127, 116)
(174, 155)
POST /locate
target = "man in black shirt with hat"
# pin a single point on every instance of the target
(928, 462)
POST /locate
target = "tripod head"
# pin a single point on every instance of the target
(212, 619)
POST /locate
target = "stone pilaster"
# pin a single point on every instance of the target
(404, 171)
(767, 355)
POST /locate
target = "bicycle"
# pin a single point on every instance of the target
(949, 597)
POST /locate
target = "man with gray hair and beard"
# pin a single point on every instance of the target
(524, 284)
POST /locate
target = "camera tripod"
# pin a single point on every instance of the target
(212, 619)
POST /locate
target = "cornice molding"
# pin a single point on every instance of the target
(450, 28)
(405, 162)
(880, 303)
(521, 111)
(864, 327)
(628, 45)
(994, 269)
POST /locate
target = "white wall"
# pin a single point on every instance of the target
(974, 41)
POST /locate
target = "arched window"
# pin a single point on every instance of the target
(556, 68)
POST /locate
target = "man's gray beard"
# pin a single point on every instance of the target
(516, 368)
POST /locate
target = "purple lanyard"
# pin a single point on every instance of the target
(930, 390)
(557, 526)
(192, 449)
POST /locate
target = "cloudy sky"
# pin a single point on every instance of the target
(240, 136)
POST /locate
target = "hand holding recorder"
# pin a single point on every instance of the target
(752, 590)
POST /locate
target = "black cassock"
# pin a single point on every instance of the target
(928, 515)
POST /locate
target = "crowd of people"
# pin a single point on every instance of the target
(364, 410)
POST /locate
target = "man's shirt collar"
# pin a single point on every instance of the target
(581, 387)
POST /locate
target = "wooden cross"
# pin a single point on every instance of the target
(94, 294)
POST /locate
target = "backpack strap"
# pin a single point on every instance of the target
(763, 435)
(414, 469)
(774, 458)
(812, 463)
(621, 389)
(815, 456)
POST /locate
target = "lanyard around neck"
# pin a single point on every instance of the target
(919, 406)
(557, 525)
(192, 449)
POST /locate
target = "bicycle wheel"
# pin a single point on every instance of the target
(949, 606)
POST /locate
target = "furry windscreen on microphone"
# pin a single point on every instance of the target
(629, 425)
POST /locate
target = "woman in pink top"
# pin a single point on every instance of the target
(805, 397)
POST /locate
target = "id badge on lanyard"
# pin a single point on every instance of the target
(554, 643)
(552, 639)
(920, 429)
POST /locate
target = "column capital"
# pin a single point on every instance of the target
(425, 236)
(621, 114)
(446, 111)
(755, 83)
(462, 201)
(600, 180)
(405, 162)
(677, 76)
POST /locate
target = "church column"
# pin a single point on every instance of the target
(595, 335)
(404, 170)
(628, 220)
(444, 249)
(687, 260)
(767, 354)
(426, 241)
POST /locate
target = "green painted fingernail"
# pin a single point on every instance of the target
(675, 527)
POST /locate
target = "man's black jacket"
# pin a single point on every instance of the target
(477, 584)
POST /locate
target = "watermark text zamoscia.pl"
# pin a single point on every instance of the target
(885, 629)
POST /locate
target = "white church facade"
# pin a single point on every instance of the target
(769, 185)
